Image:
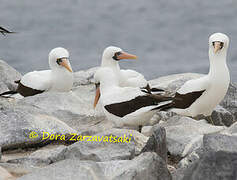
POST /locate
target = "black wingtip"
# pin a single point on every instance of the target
(4, 31)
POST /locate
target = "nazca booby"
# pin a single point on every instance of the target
(200, 96)
(127, 78)
(58, 79)
(125, 106)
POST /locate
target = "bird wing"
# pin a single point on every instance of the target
(132, 78)
(38, 80)
(194, 85)
(124, 101)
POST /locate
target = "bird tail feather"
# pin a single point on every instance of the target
(8, 93)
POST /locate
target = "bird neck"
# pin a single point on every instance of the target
(111, 63)
(218, 67)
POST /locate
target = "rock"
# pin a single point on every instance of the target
(212, 143)
(157, 142)
(74, 108)
(72, 169)
(146, 166)
(222, 117)
(220, 142)
(5, 175)
(101, 150)
(147, 130)
(19, 123)
(230, 100)
(173, 82)
(84, 77)
(184, 134)
(191, 158)
(42, 157)
(8, 76)
(18, 170)
(138, 138)
(211, 166)
(232, 130)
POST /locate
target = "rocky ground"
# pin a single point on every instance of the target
(169, 147)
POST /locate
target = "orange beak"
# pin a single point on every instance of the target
(97, 95)
(125, 55)
(65, 64)
(217, 46)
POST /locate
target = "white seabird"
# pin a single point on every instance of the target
(200, 96)
(127, 78)
(125, 106)
(58, 79)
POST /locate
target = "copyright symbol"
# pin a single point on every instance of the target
(33, 135)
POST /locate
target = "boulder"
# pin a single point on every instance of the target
(72, 169)
(5, 175)
(230, 100)
(24, 126)
(184, 134)
(212, 165)
(136, 137)
(8, 76)
(145, 166)
(104, 150)
(84, 77)
(157, 142)
(74, 108)
(220, 142)
(222, 117)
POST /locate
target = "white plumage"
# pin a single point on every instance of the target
(59, 78)
(214, 84)
(126, 78)
(114, 95)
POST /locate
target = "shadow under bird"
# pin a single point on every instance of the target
(58, 79)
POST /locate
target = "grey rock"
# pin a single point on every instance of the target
(147, 130)
(101, 151)
(138, 138)
(8, 76)
(74, 108)
(173, 82)
(211, 166)
(84, 77)
(212, 143)
(5, 175)
(222, 117)
(232, 130)
(190, 159)
(230, 100)
(17, 124)
(67, 169)
(145, 166)
(42, 157)
(220, 142)
(157, 142)
(184, 134)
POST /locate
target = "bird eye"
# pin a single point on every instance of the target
(59, 61)
(115, 57)
(222, 44)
